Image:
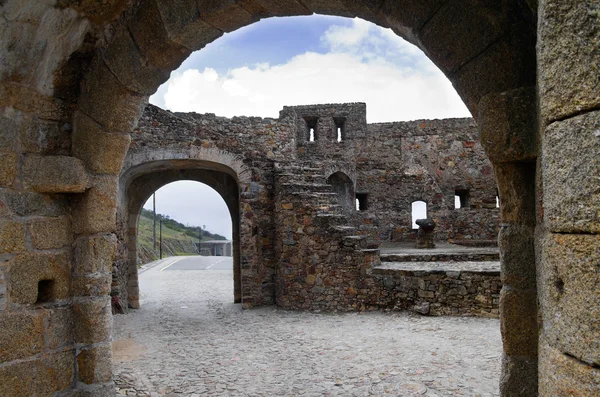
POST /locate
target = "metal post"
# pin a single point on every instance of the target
(160, 238)
(154, 221)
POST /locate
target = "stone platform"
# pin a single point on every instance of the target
(446, 280)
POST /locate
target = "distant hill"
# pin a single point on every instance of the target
(178, 239)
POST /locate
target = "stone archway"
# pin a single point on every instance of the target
(343, 186)
(145, 171)
(487, 51)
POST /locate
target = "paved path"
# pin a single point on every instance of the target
(189, 340)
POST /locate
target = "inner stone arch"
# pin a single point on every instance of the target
(137, 185)
(343, 186)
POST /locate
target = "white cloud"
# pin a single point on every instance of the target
(364, 63)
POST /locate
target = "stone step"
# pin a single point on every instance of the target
(441, 257)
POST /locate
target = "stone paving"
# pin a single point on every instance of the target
(189, 340)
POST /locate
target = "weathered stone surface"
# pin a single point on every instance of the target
(561, 375)
(130, 66)
(92, 285)
(32, 204)
(102, 152)
(59, 331)
(516, 187)
(517, 255)
(284, 8)
(459, 31)
(519, 322)
(409, 16)
(93, 320)
(183, 23)
(149, 33)
(94, 254)
(512, 58)
(108, 102)
(96, 11)
(94, 365)
(95, 210)
(569, 295)
(50, 233)
(8, 169)
(568, 57)
(228, 19)
(519, 376)
(22, 335)
(328, 7)
(55, 174)
(39, 377)
(508, 125)
(12, 237)
(570, 169)
(27, 270)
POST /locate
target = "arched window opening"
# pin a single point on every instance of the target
(418, 211)
(344, 188)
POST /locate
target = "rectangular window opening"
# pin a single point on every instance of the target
(311, 128)
(461, 198)
(339, 128)
(45, 291)
(361, 202)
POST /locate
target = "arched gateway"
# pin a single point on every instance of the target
(82, 71)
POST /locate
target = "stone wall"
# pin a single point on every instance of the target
(75, 76)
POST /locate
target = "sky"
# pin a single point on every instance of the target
(276, 62)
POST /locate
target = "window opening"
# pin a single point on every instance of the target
(418, 211)
(311, 135)
(361, 202)
(45, 291)
(497, 202)
(311, 128)
(461, 198)
(339, 127)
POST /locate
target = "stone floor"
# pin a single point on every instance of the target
(189, 340)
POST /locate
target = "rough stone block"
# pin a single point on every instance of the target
(561, 375)
(10, 121)
(568, 57)
(42, 136)
(33, 204)
(94, 365)
(105, 390)
(22, 335)
(40, 377)
(59, 331)
(284, 8)
(517, 255)
(95, 211)
(508, 125)
(406, 15)
(570, 172)
(519, 376)
(54, 174)
(102, 152)
(151, 37)
(228, 19)
(108, 102)
(460, 30)
(50, 233)
(507, 64)
(569, 295)
(94, 254)
(96, 285)
(328, 7)
(93, 320)
(518, 310)
(130, 66)
(8, 168)
(183, 24)
(516, 187)
(97, 12)
(12, 237)
(38, 278)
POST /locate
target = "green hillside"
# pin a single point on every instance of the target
(178, 239)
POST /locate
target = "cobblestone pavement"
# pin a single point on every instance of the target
(189, 340)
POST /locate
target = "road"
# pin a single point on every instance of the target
(196, 263)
